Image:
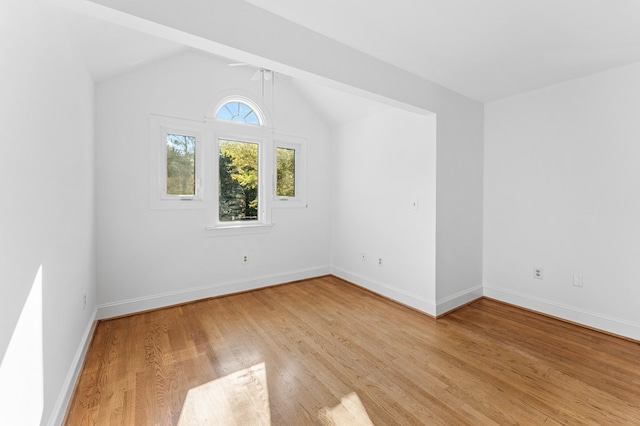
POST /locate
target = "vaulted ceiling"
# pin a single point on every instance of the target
(483, 49)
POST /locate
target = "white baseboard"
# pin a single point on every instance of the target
(417, 302)
(140, 304)
(460, 299)
(64, 398)
(590, 319)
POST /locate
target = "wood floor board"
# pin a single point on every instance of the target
(323, 351)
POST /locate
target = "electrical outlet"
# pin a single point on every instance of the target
(379, 261)
(577, 280)
(537, 273)
(84, 301)
(363, 257)
(245, 259)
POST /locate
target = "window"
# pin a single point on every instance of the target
(290, 171)
(176, 163)
(181, 164)
(238, 183)
(242, 148)
(232, 164)
(285, 172)
(240, 112)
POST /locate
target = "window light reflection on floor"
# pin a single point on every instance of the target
(350, 411)
(242, 398)
(239, 398)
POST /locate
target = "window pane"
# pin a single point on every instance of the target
(239, 112)
(181, 164)
(238, 186)
(252, 118)
(224, 113)
(243, 110)
(286, 172)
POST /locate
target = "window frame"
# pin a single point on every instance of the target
(240, 100)
(160, 127)
(208, 133)
(238, 96)
(299, 144)
(229, 130)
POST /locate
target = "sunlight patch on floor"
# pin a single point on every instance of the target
(350, 412)
(241, 398)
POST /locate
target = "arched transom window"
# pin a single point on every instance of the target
(240, 112)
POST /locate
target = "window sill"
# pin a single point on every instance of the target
(238, 229)
(287, 203)
(177, 203)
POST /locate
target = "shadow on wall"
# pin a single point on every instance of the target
(22, 368)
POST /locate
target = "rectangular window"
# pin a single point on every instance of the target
(289, 181)
(238, 185)
(240, 163)
(176, 163)
(181, 164)
(285, 172)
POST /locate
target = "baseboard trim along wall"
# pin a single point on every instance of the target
(141, 304)
(406, 298)
(572, 314)
(60, 409)
(458, 300)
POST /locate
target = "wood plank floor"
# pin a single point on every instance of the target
(323, 351)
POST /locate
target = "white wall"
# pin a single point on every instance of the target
(561, 193)
(149, 258)
(46, 170)
(381, 165)
(459, 198)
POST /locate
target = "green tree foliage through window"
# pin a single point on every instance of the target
(286, 172)
(238, 185)
(181, 164)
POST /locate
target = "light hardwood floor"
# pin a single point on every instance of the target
(323, 351)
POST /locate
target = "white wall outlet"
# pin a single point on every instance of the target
(363, 257)
(414, 204)
(379, 261)
(84, 301)
(537, 273)
(245, 259)
(577, 280)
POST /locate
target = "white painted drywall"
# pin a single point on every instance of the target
(561, 193)
(382, 165)
(149, 257)
(46, 170)
(459, 201)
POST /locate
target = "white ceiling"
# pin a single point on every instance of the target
(484, 49)
(110, 50)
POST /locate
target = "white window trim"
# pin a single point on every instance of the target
(208, 132)
(242, 229)
(159, 127)
(240, 99)
(300, 146)
(227, 130)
